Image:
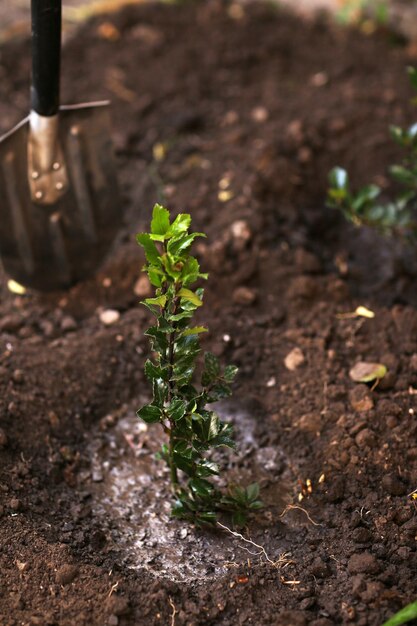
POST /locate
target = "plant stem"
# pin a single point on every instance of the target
(172, 466)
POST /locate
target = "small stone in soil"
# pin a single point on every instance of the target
(66, 574)
(365, 437)
(244, 296)
(68, 324)
(240, 230)
(142, 287)
(15, 504)
(360, 399)
(311, 422)
(18, 377)
(294, 359)
(109, 316)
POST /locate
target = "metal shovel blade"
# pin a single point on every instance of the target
(52, 246)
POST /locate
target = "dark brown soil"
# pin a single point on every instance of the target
(235, 115)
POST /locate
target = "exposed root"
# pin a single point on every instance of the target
(290, 507)
(113, 589)
(174, 611)
(252, 543)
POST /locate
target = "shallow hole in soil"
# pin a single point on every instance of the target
(131, 500)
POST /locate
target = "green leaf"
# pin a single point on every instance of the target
(230, 372)
(160, 390)
(155, 372)
(182, 243)
(189, 296)
(398, 134)
(191, 271)
(224, 438)
(164, 326)
(211, 369)
(180, 225)
(239, 519)
(149, 413)
(159, 301)
(252, 492)
(365, 196)
(214, 425)
(157, 277)
(403, 616)
(151, 251)
(194, 331)
(202, 488)
(403, 175)
(180, 316)
(160, 220)
(177, 409)
(158, 339)
(220, 390)
(207, 468)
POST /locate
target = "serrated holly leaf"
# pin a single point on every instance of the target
(202, 488)
(207, 468)
(211, 369)
(158, 339)
(195, 330)
(230, 372)
(151, 251)
(158, 301)
(160, 221)
(149, 413)
(177, 409)
(164, 326)
(156, 276)
(155, 372)
(189, 296)
(180, 244)
(180, 225)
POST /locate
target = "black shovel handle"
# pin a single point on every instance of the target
(46, 56)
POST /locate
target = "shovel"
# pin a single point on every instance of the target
(59, 203)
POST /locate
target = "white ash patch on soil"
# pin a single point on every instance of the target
(132, 501)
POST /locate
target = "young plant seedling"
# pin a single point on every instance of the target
(181, 408)
(364, 207)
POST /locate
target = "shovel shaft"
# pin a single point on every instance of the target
(46, 56)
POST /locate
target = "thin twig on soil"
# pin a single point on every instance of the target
(290, 507)
(174, 611)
